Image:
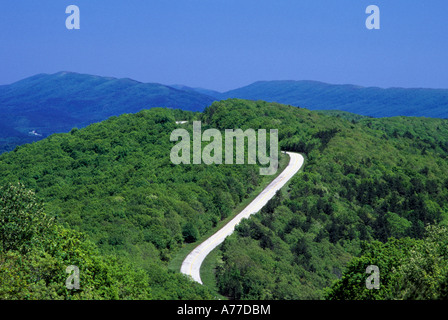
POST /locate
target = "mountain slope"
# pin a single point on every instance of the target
(368, 101)
(61, 101)
(367, 180)
(363, 181)
(211, 93)
(114, 181)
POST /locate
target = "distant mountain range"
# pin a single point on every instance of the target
(367, 101)
(38, 106)
(58, 102)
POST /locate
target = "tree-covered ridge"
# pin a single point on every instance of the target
(114, 181)
(365, 181)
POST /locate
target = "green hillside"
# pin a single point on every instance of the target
(114, 182)
(363, 181)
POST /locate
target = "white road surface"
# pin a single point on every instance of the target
(192, 264)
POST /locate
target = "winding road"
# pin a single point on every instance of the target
(191, 266)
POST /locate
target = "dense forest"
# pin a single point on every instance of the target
(364, 180)
(35, 252)
(118, 205)
(114, 183)
(414, 269)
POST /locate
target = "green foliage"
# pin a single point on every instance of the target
(22, 220)
(114, 181)
(423, 275)
(409, 269)
(190, 232)
(39, 273)
(364, 180)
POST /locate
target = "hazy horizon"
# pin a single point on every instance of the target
(244, 85)
(227, 44)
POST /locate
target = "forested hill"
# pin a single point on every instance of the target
(364, 180)
(114, 182)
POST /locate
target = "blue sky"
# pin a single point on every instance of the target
(225, 44)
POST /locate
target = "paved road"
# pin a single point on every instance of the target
(192, 264)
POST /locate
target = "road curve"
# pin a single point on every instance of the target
(191, 266)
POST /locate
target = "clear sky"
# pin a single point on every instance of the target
(225, 44)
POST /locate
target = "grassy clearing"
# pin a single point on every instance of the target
(208, 268)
